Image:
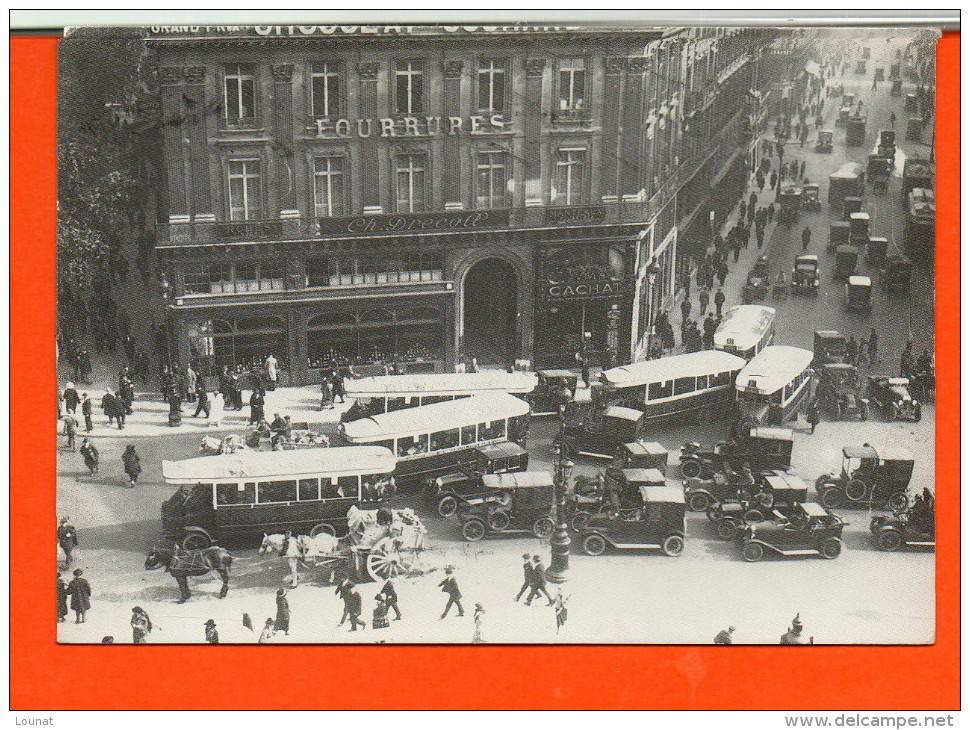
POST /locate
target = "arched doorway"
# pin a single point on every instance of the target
(489, 310)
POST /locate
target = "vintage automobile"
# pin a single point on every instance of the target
(762, 448)
(809, 529)
(723, 486)
(855, 129)
(892, 396)
(640, 455)
(868, 478)
(556, 388)
(590, 430)
(840, 392)
(880, 74)
(511, 502)
(448, 491)
(851, 204)
(698, 463)
(876, 249)
(757, 283)
(887, 138)
(859, 228)
(810, 197)
(838, 235)
(849, 180)
(804, 274)
(879, 170)
(790, 203)
(922, 385)
(778, 491)
(824, 141)
(621, 492)
(858, 293)
(658, 522)
(896, 273)
(829, 346)
(897, 88)
(915, 527)
(846, 258)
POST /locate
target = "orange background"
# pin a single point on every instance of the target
(45, 676)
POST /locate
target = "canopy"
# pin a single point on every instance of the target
(625, 414)
(848, 170)
(859, 452)
(743, 326)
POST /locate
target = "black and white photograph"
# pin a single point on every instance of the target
(495, 334)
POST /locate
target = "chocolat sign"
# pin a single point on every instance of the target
(414, 222)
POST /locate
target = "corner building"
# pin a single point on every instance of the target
(422, 193)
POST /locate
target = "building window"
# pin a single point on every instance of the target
(410, 177)
(572, 85)
(570, 176)
(409, 84)
(239, 99)
(328, 186)
(244, 194)
(491, 86)
(325, 89)
(491, 179)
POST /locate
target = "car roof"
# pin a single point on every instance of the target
(860, 281)
(896, 453)
(807, 257)
(860, 452)
(557, 373)
(783, 480)
(501, 449)
(518, 480)
(649, 476)
(814, 510)
(645, 448)
(828, 334)
(626, 414)
(772, 432)
(668, 495)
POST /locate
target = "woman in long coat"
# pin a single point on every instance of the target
(80, 591)
(282, 622)
(132, 464)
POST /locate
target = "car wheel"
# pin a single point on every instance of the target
(917, 412)
(473, 530)
(673, 545)
(698, 502)
(752, 552)
(890, 541)
(594, 544)
(543, 528)
(447, 506)
(830, 498)
(831, 548)
(765, 499)
(580, 521)
(726, 529)
(898, 502)
(856, 490)
(690, 469)
(498, 521)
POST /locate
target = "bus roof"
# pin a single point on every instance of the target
(518, 480)
(292, 463)
(743, 326)
(441, 384)
(483, 408)
(663, 369)
(773, 368)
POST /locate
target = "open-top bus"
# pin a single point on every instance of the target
(745, 330)
(773, 385)
(247, 493)
(432, 440)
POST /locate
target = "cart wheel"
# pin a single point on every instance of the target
(698, 502)
(898, 502)
(752, 552)
(323, 528)
(890, 541)
(856, 490)
(543, 528)
(594, 544)
(831, 498)
(831, 548)
(498, 521)
(690, 469)
(473, 529)
(727, 530)
(195, 541)
(580, 521)
(447, 506)
(386, 561)
(673, 546)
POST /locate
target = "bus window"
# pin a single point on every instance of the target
(428, 400)
(776, 397)
(235, 493)
(702, 382)
(493, 430)
(328, 488)
(444, 439)
(309, 490)
(281, 491)
(411, 445)
(467, 435)
(684, 385)
(396, 404)
(721, 379)
(660, 390)
(788, 390)
(347, 486)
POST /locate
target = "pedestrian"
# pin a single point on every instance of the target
(526, 575)
(87, 410)
(806, 237)
(141, 625)
(906, 361)
(892, 119)
(760, 181)
(266, 636)
(257, 403)
(873, 347)
(814, 415)
(538, 585)
(379, 618)
(742, 210)
(710, 326)
(685, 310)
(272, 374)
(71, 398)
(132, 464)
(326, 393)
(211, 634)
(705, 298)
(191, 383)
(583, 367)
(874, 83)
(801, 170)
(725, 636)
(70, 430)
(851, 349)
(67, 538)
(61, 599)
(91, 456)
(686, 283)
(774, 180)
(80, 592)
(473, 368)
(389, 594)
(218, 410)
(354, 608)
(339, 384)
(478, 636)
(203, 405)
(771, 213)
(282, 622)
(450, 586)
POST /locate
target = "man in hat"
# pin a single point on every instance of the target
(211, 635)
(71, 398)
(794, 635)
(70, 431)
(80, 592)
(67, 538)
(538, 581)
(141, 625)
(87, 410)
(354, 607)
(389, 595)
(450, 586)
(725, 636)
(526, 575)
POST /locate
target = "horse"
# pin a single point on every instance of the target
(298, 549)
(184, 563)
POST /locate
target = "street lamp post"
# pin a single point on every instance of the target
(559, 564)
